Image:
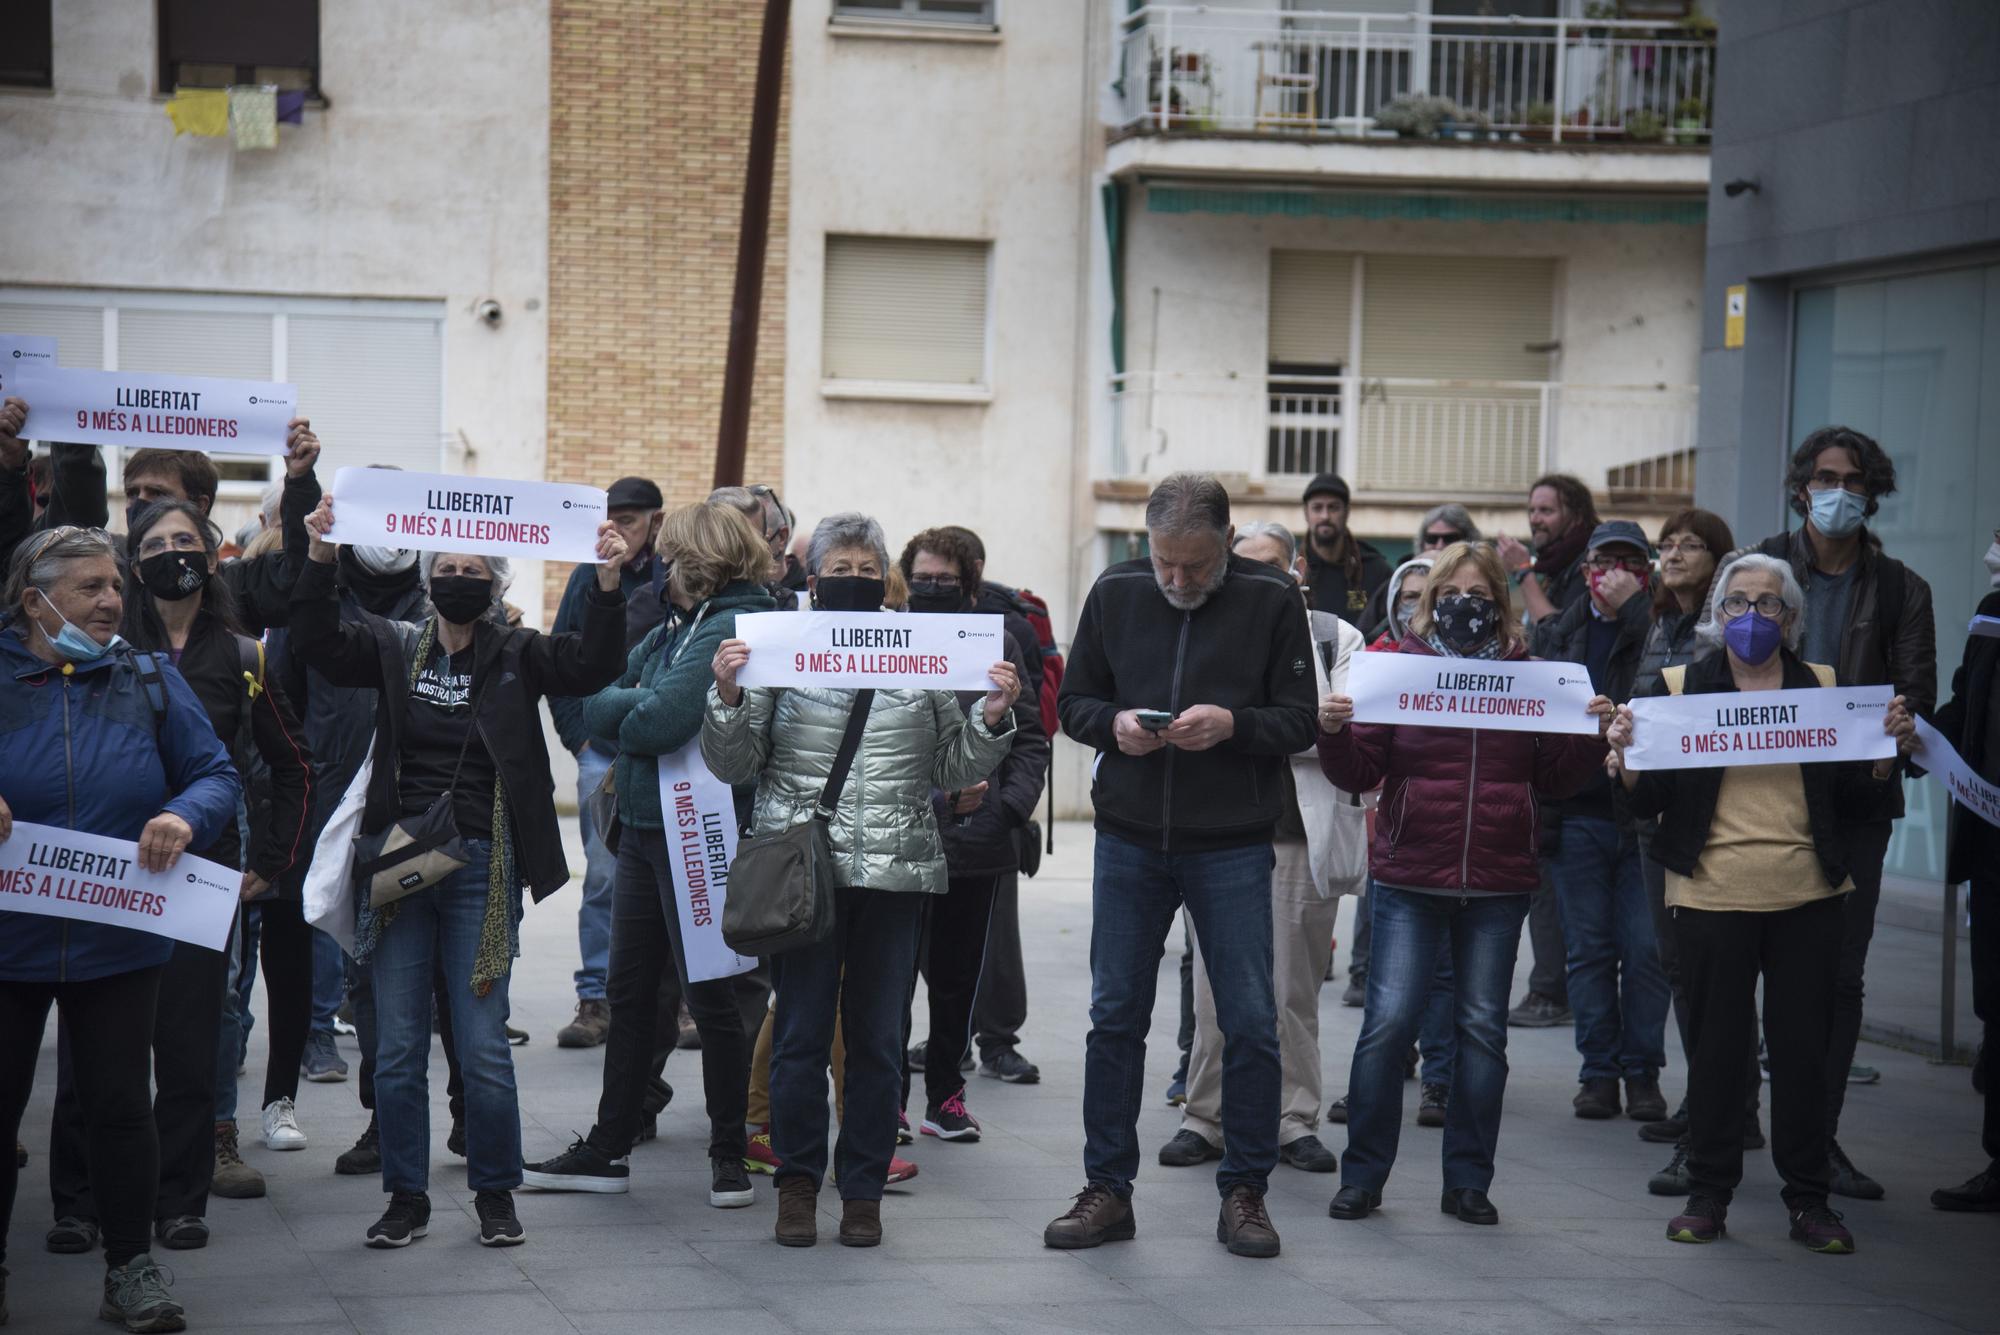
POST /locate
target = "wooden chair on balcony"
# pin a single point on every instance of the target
(1294, 89)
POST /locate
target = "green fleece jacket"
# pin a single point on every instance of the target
(656, 707)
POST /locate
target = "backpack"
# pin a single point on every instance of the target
(1036, 610)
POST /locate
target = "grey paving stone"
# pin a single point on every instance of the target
(840, 1307)
(454, 1314)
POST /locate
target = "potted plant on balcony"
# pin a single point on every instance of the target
(1689, 114)
(1540, 118)
(1418, 116)
(1645, 127)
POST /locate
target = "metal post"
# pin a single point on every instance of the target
(1556, 96)
(1361, 79)
(1166, 70)
(732, 435)
(1948, 980)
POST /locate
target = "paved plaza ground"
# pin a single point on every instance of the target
(1580, 1247)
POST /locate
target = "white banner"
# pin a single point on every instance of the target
(23, 354)
(482, 516)
(1809, 725)
(1967, 789)
(1431, 691)
(69, 874)
(156, 412)
(1989, 627)
(847, 651)
(700, 816)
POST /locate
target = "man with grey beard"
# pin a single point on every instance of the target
(1191, 675)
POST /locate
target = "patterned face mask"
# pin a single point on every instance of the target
(1465, 620)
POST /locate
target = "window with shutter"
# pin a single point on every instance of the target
(27, 57)
(901, 309)
(917, 11)
(374, 388)
(1312, 295)
(77, 330)
(215, 43)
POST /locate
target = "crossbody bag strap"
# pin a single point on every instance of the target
(850, 742)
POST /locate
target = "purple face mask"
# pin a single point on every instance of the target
(1752, 638)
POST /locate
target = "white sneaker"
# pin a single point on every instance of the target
(281, 1127)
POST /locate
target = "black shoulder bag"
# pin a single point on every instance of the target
(780, 893)
(420, 850)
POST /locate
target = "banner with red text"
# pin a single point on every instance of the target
(1431, 691)
(846, 651)
(70, 874)
(1809, 725)
(155, 412)
(1944, 764)
(480, 516)
(700, 816)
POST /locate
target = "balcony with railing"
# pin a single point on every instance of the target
(1244, 70)
(1402, 437)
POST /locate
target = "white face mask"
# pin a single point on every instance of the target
(1993, 563)
(385, 560)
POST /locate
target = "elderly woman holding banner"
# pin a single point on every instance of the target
(1455, 856)
(888, 856)
(97, 738)
(1755, 875)
(459, 769)
(718, 567)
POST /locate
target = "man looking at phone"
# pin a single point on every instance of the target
(1185, 814)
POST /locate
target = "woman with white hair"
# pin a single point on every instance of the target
(1755, 874)
(459, 768)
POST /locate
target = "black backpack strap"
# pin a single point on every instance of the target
(850, 742)
(250, 662)
(147, 664)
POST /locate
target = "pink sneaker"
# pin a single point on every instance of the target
(900, 1170)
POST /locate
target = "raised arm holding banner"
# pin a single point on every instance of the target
(480, 516)
(136, 411)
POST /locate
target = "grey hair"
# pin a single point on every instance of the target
(1188, 503)
(1451, 512)
(1709, 630)
(41, 560)
(502, 568)
(1278, 533)
(272, 505)
(850, 528)
(739, 498)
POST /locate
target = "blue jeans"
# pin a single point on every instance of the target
(600, 866)
(439, 926)
(1437, 1037)
(1482, 934)
(1135, 893)
(233, 1033)
(329, 981)
(874, 945)
(1617, 988)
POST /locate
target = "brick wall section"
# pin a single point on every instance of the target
(649, 127)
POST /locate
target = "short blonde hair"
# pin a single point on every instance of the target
(712, 545)
(896, 590)
(1481, 557)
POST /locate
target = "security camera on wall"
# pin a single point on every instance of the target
(489, 311)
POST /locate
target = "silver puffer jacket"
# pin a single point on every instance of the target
(884, 835)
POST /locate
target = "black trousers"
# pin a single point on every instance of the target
(285, 946)
(1670, 964)
(184, 1056)
(1867, 847)
(361, 992)
(1984, 904)
(645, 944)
(112, 1020)
(1797, 952)
(1000, 1009)
(951, 955)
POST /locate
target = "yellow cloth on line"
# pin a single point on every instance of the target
(203, 111)
(253, 115)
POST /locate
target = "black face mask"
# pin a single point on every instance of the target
(1465, 620)
(172, 575)
(849, 593)
(928, 596)
(461, 599)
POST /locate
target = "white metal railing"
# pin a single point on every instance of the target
(1396, 433)
(1211, 67)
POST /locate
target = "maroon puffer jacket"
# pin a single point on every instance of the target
(1459, 808)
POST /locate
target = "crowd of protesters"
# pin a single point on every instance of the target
(307, 703)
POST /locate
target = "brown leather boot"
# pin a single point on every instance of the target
(1098, 1216)
(860, 1223)
(1243, 1225)
(798, 1208)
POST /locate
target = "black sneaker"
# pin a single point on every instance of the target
(1668, 1130)
(1821, 1230)
(915, 1055)
(365, 1158)
(729, 1183)
(1337, 1110)
(1010, 1066)
(950, 1121)
(407, 1219)
(1673, 1179)
(581, 1167)
(499, 1226)
(1849, 1180)
(455, 1142)
(1308, 1155)
(1187, 1149)
(1704, 1220)
(1430, 1112)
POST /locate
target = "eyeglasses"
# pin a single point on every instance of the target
(1606, 564)
(1769, 605)
(180, 542)
(1685, 547)
(1825, 480)
(945, 584)
(1443, 539)
(762, 492)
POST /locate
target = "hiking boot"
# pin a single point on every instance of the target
(365, 1157)
(729, 1183)
(321, 1063)
(407, 1219)
(861, 1223)
(499, 1226)
(1099, 1216)
(1430, 1111)
(1849, 1180)
(1308, 1155)
(1244, 1226)
(1702, 1221)
(233, 1180)
(1353, 1203)
(689, 1039)
(1538, 1012)
(900, 1170)
(1820, 1230)
(591, 1026)
(455, 1142)
(581, 1167)
(136, 1294)
(1643, 1100)
(1187, 1149)
(798, 1209)
(1010, 1066)
(1469, 1204)
(1597, 1100)
(72, 1236)
(1337, 1110)
(950, 1121)
(281, 1126)
(1978, 1194)
(758, 1157)
(182, 1233)
(1667, 1130)
(1673, 1179)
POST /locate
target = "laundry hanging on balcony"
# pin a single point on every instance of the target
(202, 111)
(253, 116)
(248, 114)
